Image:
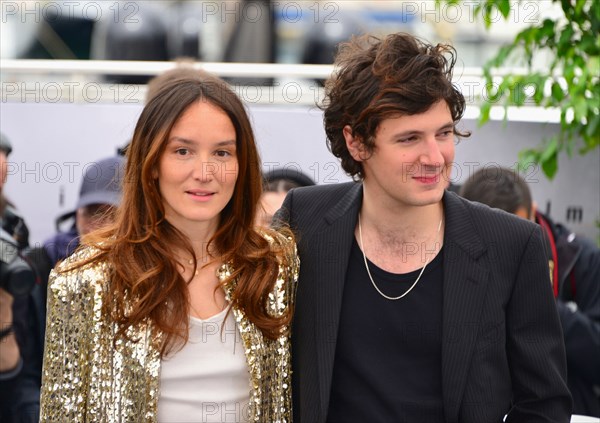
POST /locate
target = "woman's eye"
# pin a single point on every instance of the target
(182, 151)
(223, 153)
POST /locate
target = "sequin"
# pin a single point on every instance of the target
(88, 379)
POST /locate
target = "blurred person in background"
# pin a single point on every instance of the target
(16, 281)
(12, 222)
(277, 183)
(575, 275)
(180, 309)
(16, 350)
(184, 67)
(99, 195)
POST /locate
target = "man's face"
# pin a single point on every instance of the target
(92, 217)
(411, 162)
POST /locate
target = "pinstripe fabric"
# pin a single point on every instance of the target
(502, 346)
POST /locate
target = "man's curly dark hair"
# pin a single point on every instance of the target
(376, 79)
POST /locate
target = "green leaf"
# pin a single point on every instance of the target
(557, 92)
(579, 61)
(484, 112)
(550, 165)
(593, 65)
(503, 54)
(545, 32)
(527, 157)
(539, 84)
(572, 47)
(567, 8)
(580, 108)
(579, 5)
(588, 44)
(504, 7)
(566, 35)
(593, 128)
(487, 15)
(518, 96)
(549, 149)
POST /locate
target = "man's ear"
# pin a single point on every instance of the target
(354, 144)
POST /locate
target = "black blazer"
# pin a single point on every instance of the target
(502, 345)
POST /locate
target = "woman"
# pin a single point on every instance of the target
(179, 311)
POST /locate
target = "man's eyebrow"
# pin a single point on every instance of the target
(449, 125)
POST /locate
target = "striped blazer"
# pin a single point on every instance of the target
(502, 345)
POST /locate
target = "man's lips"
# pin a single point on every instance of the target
(428, 178)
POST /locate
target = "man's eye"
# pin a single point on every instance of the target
(407, 139)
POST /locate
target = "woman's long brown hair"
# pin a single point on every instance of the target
(145, 283)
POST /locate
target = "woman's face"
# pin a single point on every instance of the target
(198, 169)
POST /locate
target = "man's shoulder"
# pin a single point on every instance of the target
(303, 205)
(490, 222)
(323, 193)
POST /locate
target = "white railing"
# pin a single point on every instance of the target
(119, 67)
(262, 70)
(27, 80)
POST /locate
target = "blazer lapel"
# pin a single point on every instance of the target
(333, 242)
(465, 285)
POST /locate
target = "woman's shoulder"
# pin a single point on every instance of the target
(281, 237)
(282, 242)
(82, 268)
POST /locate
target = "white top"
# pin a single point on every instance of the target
(208, 379)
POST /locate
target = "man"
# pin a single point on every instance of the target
(414, 305)
(99, 194)
(575, 276)
(15, 348)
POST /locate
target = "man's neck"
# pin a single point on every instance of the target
(400, 223)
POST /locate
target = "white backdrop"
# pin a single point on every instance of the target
(54, 142)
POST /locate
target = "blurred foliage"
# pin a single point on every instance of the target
(570, 83)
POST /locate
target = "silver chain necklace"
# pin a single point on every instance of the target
(362, 247)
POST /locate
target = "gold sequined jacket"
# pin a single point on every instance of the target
(87, 379)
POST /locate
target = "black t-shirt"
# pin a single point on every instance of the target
(388, 354)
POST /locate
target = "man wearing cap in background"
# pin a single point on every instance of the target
(99, 195)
